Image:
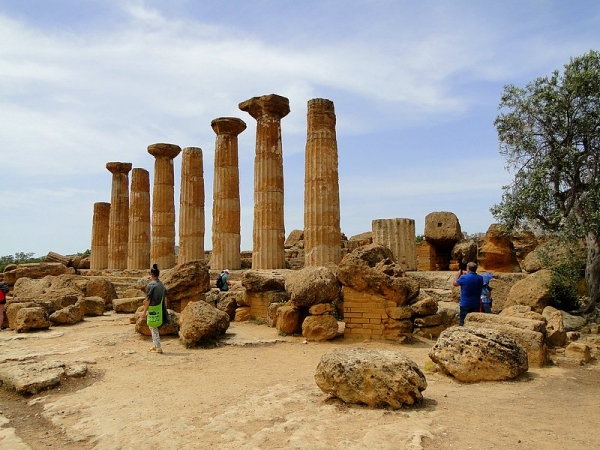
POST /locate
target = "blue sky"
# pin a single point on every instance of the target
(415, 85)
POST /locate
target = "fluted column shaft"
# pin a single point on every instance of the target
(100, 230)
(226, 214)
(191, 206)
(399, 236)
(268, 235)
(162, 247)
(322, 232)
(139, 220)
(118, 233)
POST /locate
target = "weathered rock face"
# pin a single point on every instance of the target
(101, 287)
(288, 320)
(371, 268)
(498, 253)
(556, 335)
(35, 318)
(263, 280)
(69, 315)
(528, 333)
(200, 321)
(93, 306)
(127, 305)
(13, 307)
(320, 328)
(478, 354)
(524, 242)
(36, 271)
(442, 229)
(464, 251)
(370, 377)
(31, 377)
(532, 291)
(311, 286)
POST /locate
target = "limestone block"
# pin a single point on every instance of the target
(371, 377)
(263, 280)
(428, 321)
(498, 253)
(35, 271)
(579, 352)
(320, 309)
(69, 315)
(288, 320)
(442, 229)
(311, 286)
(320, 328)
(478, 354)
(93, 306)
(101, 287)
(200, 321)
(127, 305)
(242, 314)
(532, 291)
(425, 306)
(34, 318)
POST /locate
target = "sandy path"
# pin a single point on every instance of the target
(256, 391)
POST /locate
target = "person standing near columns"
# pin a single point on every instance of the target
(191, 206)
(268, 234)
(162, 247)
(118, 232)
(322, 232)
(226, 212)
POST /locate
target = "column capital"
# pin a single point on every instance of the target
(272, 105)
(168, 150)
(228, 126)
(118, 167)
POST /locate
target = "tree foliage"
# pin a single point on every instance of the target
(549, 133)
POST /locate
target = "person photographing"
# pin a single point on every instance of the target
(471, 285)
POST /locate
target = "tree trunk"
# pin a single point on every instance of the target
(592, 271)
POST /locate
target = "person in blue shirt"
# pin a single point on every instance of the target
(471, 285)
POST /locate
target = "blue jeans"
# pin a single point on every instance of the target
(463, 313)
(487, 307)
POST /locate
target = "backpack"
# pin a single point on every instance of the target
(4, 287)
(220, 281)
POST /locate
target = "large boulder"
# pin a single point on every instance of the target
(69, 315)
(34, 318)
(472, 354)
(311, 286)
(371, 269)
(371, 377)
(498, 253)
(556, 335)
(442, 229)
(320, 328)
(263, 280)
(101, 287)
(533, 291)
(93, 306)
(200, 322)
(288, 320)
(464, 251)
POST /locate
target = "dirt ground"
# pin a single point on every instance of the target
(256, 390)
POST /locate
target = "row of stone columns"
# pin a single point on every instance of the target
(123, 236)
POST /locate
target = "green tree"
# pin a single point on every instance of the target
(549, 132)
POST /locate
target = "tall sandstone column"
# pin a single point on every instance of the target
(100, 230)
(322, 232)
(191, 206)
(268, 234)
(162, 247)
(226, 233)
(399, 236)
(118, 232)
(139, 220)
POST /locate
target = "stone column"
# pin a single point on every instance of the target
(100, 227)
(268, 234)
(118, 233)
(399, 236)
(322, 232)
(162, 247)
(226, 233)
(191, 206)
(139, 220)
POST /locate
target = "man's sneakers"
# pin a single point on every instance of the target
(154, 350)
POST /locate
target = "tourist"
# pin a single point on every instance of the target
(156, 293)
(486, 293)
(2, 305)
(471, 285)
(223, 280)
